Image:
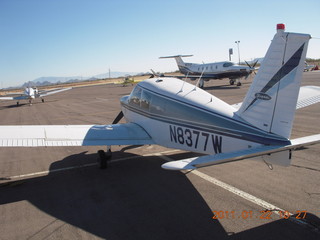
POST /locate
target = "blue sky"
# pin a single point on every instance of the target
(41, 38)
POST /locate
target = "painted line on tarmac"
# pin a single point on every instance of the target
(28, 175)
(258, 201)
(234, 190)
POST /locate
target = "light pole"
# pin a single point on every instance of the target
(237, 42)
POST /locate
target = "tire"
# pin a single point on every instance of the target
(102, 159)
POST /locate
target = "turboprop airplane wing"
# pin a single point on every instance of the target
(204, 161)
(308, 95)
(46, 93)
(73, 135)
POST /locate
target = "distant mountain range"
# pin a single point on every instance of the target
(43, 81)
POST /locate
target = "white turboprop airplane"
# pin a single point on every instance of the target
(30, 93)
(176, 114)
(217, 70)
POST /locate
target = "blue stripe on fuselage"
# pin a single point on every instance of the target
(263, 138)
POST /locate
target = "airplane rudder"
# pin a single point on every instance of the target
(271, 100)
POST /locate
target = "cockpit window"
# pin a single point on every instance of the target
(228, 64)
(145, 100)
(135, 96)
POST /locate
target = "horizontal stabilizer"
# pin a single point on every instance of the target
(193, 163)
(176, 56)
(308, 95)
(73, 135)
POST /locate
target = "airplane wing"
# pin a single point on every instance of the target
(191, 77)
(42, 94)
(308, 95)
(73, 135)
(14, 98)
(193, 163)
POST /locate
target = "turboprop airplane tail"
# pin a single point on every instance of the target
(270, 103)
(181, 64)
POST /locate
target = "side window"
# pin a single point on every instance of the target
(158, 105)
(135, 96)
(145, 100)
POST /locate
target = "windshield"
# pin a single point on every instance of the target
(228, 64)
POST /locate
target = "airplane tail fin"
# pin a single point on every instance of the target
(181, 64)
(270, 103)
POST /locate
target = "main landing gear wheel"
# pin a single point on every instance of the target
(42, 100)
(104, 157)
(231, 82)
(239, 84)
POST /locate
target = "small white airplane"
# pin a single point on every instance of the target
(175, 114)
(217, 70)
(30, 93)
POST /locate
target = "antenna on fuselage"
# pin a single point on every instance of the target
(199, 79)
(185, 79)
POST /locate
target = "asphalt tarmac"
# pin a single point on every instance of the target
(60, 192)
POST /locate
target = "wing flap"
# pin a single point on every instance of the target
(193, 163)
(73, 135)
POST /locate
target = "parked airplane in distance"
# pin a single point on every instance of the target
(175, 114)
(30, 93)
(308, 67)
(217, 70)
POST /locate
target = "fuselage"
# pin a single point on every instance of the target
(179, 115)
(31, 93)
(216, 70)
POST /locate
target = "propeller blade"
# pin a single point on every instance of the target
(247, 64)
(118, 118)
(255, 64)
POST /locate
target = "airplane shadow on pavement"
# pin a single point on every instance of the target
(132, 199)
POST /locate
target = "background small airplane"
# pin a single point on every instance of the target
(217, 70)
(30, 93)
(127, 81)
(175, 114)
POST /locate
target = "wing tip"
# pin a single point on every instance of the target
(178, 165)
